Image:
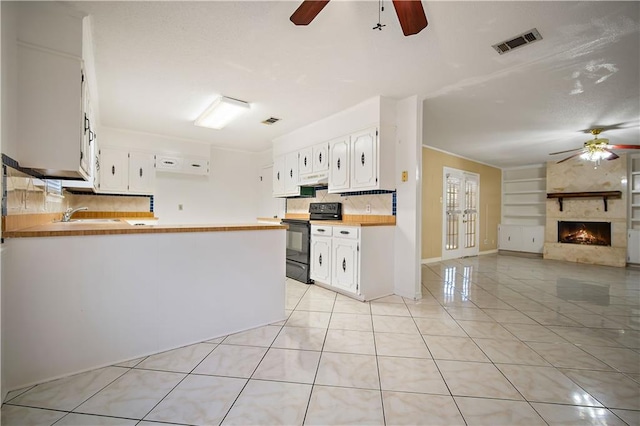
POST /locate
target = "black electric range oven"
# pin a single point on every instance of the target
(299, 239)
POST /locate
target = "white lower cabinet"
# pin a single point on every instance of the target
(633, 246)
(521, 238)
(356, 261)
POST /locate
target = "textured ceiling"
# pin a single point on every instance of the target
(159, 64)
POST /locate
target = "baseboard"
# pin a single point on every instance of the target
(520, 254)
(431, 260)
(482, 253)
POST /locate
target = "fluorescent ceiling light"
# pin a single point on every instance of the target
(221, 112)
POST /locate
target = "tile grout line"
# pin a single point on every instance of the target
(315, 376)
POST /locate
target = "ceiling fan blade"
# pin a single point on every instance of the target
(613, 155)
(307, 11)
(564, 152)
(411, 16)
(569, 157)
(623, 146)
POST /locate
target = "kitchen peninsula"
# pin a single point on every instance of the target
(78, 296)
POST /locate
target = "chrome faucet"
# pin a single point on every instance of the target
(66, 217)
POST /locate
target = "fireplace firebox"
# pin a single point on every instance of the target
(588, 233)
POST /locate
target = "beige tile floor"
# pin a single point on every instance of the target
(495, 340)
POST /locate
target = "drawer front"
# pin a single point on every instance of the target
(350, 232)
(325, 231)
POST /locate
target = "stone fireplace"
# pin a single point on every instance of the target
(589, 229)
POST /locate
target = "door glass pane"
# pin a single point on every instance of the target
(471, 213)
(452, 211)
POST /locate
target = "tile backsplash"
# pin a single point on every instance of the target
(381, 204)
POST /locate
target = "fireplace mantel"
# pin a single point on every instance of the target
(591, 194)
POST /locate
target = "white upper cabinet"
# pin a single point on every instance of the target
(114, 170)
(142, 176)
(364, 164)
(278, 176)
(52, 98)
(285, 175)
(291, 174)
(124, 172)
(321, 157)
(305, 161)
(339, 164)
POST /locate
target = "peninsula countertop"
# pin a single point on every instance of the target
(121, 226)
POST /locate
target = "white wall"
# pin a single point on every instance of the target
(229, 194)
(408, 211)
(9, 64)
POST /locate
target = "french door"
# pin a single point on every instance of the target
(460, 227)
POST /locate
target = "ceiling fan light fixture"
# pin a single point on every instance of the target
(595, 155)
(221, 112)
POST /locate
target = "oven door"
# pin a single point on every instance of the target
(298, 241)
(298, 250)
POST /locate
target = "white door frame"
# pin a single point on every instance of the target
(462, 213)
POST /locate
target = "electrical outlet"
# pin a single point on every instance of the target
(180, 207)
(368, 208)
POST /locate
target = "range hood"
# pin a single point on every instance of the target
(314, 179)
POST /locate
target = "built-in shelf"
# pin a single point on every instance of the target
(523, 196)
(605, 195)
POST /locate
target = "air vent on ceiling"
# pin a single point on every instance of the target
(518, 41)
(271, 120)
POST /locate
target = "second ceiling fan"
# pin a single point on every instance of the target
(410, 14)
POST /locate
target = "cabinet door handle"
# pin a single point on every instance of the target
(320, 230)
(92, 136)
(86, 123)
(508, 238)
(320, 260)
(113, 170)
(362, 158)
(344, 232)
(140, 171)
(344, 264)
(278, 176)
(291, 173)
(320, 158)
(338, 164)
(305, 161)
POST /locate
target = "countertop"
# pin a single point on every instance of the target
(66, 229)
(350, 220)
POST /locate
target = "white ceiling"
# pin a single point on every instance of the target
(159, 64)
